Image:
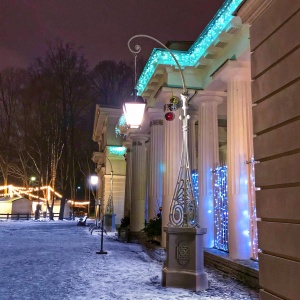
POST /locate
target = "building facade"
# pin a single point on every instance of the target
(242, 74)
(110, 164)
(275, 66)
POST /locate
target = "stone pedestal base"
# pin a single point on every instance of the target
(184, 265)
(109, 222)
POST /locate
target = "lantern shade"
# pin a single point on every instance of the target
(134, 113)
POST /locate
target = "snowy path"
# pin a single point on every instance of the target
(57, 260)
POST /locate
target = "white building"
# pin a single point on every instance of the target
(242, 74)
(109, 160)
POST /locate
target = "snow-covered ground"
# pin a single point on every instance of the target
(58, 260)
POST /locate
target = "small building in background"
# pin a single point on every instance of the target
(110, 164)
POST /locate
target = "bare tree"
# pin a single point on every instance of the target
(64, 73)
(111, 82)
(11, 81)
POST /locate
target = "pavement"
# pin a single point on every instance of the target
(52, 260)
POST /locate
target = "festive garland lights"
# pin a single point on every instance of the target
(253, 217)
(221, 208)
(121, 123)
(115, 150)
(195, 185)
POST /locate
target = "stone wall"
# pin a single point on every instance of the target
(275, 63)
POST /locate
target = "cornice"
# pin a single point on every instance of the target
(250, 10)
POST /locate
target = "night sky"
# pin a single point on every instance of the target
(101, 27)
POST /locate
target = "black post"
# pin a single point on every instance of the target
(101, 250)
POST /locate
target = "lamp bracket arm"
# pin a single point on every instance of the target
(137, 49)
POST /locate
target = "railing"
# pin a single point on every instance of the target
(17, 217)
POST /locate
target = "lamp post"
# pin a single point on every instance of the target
(102, 229)
(109, 211)
(184, 267)
(77, 188)
(37, 212)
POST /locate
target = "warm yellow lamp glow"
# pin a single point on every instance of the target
(134, 113)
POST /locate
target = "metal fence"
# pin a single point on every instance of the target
(19, 217)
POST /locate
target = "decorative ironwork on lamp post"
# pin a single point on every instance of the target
(110, 203)
(183, 205)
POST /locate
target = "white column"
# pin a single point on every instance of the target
(172, 155)
(155, 167)
(147, 148)
(192, 140)
(138, 186)
(208, 157)
(239, 128)
(128, 145)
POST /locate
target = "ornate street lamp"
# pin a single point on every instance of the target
(184, 264)
(134, 111)
(134, 108)
(183, 207)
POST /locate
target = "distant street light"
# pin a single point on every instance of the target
(93, 182)
(32, 182)
(78, 188)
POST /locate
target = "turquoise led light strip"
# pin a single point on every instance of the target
(115, 150)
(190, 57)
(121, 123)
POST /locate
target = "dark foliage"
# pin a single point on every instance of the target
(153, 228)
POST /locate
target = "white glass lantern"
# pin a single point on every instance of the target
(134, 113)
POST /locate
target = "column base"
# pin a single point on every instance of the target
(184, 265)
(109, 222)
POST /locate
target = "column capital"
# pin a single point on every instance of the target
(193, 116)
(208, 97)
(233, 70)
(166, 93)
(138, 137)
(157, 122)
(127, 144)
(155, 114)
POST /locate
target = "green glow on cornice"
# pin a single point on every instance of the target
(115, 150)
(190, 57)
(121, 123)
